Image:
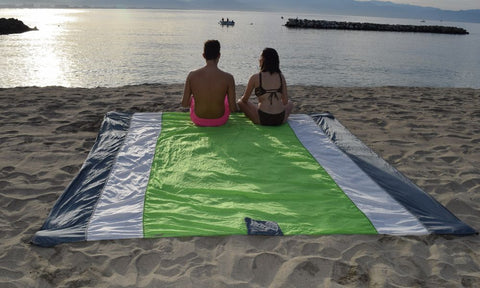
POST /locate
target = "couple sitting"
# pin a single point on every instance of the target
(210, 92)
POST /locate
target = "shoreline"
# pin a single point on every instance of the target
(241, 86)
(431, 135)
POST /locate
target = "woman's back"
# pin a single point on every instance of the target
(269, 86)
(269, 90)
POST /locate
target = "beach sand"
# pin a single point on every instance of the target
(432, 135)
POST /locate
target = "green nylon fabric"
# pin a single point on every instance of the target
(205, 180)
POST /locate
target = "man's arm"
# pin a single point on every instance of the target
(187, 93)
(232, 98)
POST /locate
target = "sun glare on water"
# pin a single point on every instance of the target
(42, 54)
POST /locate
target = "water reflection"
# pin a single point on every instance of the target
(39, 56)
(44, 65)
(102, 47)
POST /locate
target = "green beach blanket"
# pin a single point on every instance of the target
(224, 174)
(158, 175)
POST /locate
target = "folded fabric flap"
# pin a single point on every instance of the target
(260, 227)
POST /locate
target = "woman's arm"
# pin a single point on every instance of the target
(249, 89)
(284, 91)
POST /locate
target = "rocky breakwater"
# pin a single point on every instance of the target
(12, 26)
(323, 24)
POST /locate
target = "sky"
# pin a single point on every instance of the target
(442, 4)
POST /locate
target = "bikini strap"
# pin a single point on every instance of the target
(281, 82)
(273, 92)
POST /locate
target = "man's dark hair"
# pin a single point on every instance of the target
(271, 61)
(211, 49)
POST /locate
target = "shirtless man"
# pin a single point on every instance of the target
(210, 92)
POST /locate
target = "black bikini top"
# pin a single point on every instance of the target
(259, 91)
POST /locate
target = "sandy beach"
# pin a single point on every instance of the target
(431, 135)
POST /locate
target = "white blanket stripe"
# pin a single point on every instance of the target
(384, 212)
(119, 211)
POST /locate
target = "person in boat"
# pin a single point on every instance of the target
(270, 87)
(209, 91)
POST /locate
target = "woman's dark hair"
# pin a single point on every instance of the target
(211, 49)
(271, 61)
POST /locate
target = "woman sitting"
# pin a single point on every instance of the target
(271, 89)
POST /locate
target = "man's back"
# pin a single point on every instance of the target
(209, 86)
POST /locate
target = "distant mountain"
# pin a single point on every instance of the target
(370, 8)
(389, 9)
(342, 7)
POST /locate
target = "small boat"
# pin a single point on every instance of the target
(226, 22)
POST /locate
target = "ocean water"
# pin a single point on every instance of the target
(110, 48)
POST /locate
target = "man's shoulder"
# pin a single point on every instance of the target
(219, 74)
(194, 72)
(226, 74)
